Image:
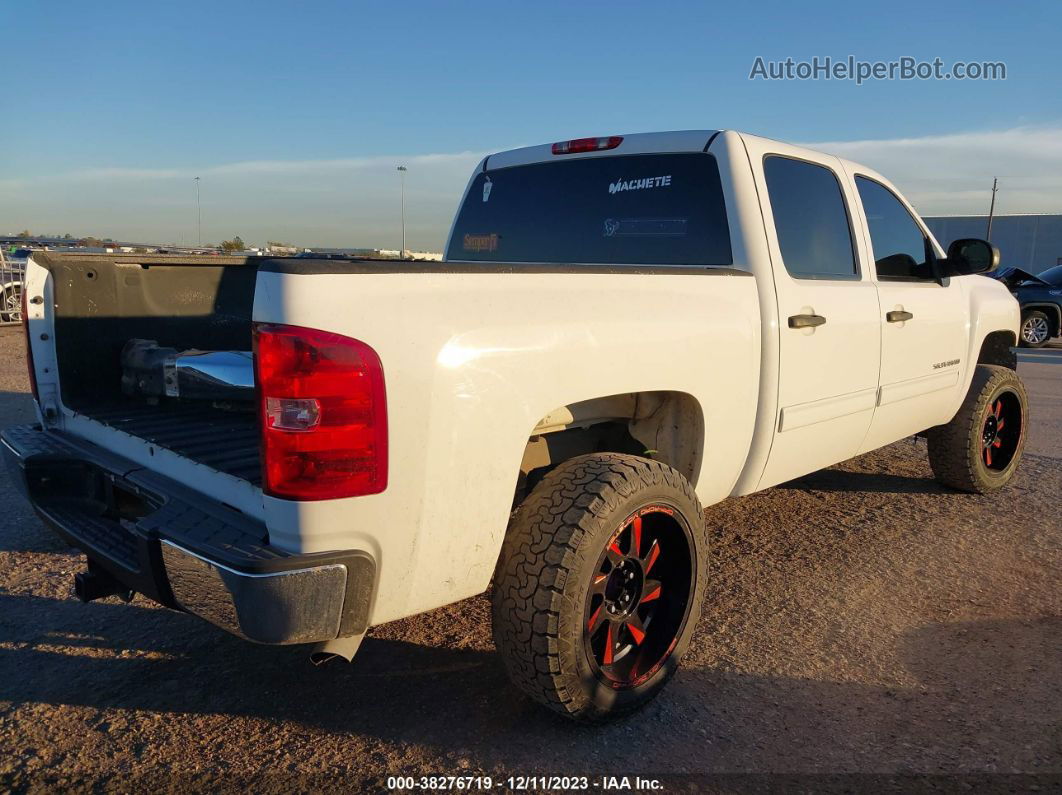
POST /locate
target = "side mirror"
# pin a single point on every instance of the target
(970, 255)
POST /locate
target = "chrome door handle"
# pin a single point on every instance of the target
(806, 321)
(896, 316)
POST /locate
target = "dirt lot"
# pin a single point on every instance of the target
(861, 620)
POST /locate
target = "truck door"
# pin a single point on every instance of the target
(829, 334)
(923, 320)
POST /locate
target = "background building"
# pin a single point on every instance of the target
(1032, 242)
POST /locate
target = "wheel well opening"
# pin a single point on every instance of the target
(663, 425)
(998, 349)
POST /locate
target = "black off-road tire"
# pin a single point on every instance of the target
(957, 450)
(553, 548)
(1043, 321)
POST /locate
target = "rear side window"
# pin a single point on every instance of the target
(810, 218)
(626, 210)
(901, 251)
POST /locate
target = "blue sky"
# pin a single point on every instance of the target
(296, 114)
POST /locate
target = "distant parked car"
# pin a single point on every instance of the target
(1040, 297)
(322, 255)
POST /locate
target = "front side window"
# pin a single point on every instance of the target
(901, 251)
(810, 218)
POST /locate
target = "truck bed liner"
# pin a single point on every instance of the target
(227, 441)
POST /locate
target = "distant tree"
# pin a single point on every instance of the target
(68, 236)
(25, 233)
(236, 244)
(92, 242)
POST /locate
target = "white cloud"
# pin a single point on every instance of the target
(952, 174)
(275, 167)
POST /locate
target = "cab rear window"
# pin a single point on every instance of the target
(664, 209)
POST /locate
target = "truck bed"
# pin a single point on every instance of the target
(203, 303)
(223, 440)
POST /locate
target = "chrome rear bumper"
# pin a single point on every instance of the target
(294, 606)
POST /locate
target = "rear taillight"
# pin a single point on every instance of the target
(578, 145)
(29, 346)
(323, 414)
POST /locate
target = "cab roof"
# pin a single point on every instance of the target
(650, 143)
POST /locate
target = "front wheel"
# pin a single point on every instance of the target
(979, 450)
(599, 585)
(1035, 329)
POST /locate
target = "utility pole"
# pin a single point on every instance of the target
(991, 210)
(402, 176)
(198, 213)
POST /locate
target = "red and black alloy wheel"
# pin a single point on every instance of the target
(639, 596)
(1001, 431)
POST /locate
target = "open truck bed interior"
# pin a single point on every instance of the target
(204, 303)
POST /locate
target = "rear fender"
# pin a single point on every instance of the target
(467, 386)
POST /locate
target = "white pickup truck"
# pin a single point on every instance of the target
(624, 329)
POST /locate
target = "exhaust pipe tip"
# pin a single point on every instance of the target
(338, 647)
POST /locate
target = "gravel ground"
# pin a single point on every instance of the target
(861, 620)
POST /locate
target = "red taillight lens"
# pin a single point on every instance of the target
(29, 346)
(323, 414)
(578, 145)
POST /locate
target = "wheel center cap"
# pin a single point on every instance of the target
(991, 429)
(623, 588)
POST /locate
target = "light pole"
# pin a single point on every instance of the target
(402, 176)
(198, 213)
(991, 210)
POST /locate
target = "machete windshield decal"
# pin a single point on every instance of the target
(621, 185)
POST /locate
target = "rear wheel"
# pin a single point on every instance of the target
(979, 450)
(1035, 329)
(599, 585)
